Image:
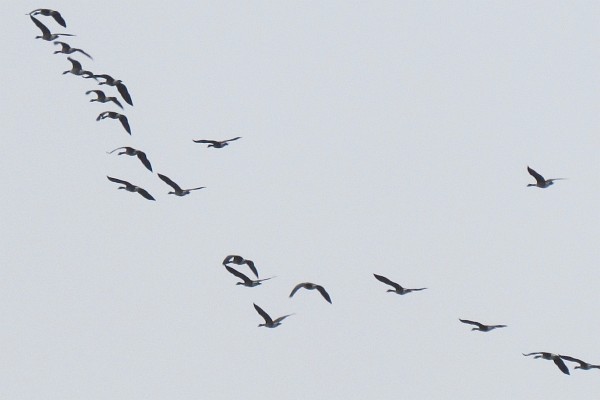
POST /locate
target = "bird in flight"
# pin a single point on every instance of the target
(67, 49)
(110, 81)
(103, 98)
(76, 69)
(177, 190)
(46, 35)
(540, 181)
(246, 281)
(239, 260)
(551, 356)
(582, 364)
(131, 188)
(130, 151)
(311, 286)
(215, 143)
(115, 115)
(49, 13)
(397, 288)
(269, 323)
(481, 327)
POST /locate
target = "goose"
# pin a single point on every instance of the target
(102, 98)
(582, 364)
(481, 327)
(215, 143)
(551, 356)
(110, 81)
(49, 13)
(130, 151)
(239, 260)
(311, 286)
(67, 49)
(115, 115)
(177, 190)
(46, 35)
(397, 288)
(269, 323)
(540, 181)
(247, 281)
(76, 69)
(131, 188)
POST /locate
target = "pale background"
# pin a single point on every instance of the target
(378, 137)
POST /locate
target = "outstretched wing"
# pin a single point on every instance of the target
(387, 281)
(169, 182)
(252, 267)
(321, 290)
(231, 140)
(116, 101)
(205, 141)
(124, 93)
(538, 177)
(561, 365)
(144, 193)
(573, 359)
(238, 274)
(466, 321)
(58, 18)
(38, 23)
(296, 288)
(125, 123)
(142, 157)
(263, 314)
(122, 182)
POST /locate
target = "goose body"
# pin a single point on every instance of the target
(312, 286)
(246, 281)
(46, 34)
(50, 13)
(215, 143)
(130, 151)
(178, 191)
(239, 260)
(67, 49)
(582, 364)
(76, 69)
(131, 188)
(103, 98)
(540, 181)
(481, 327)
(269, 323)
(115, 115)
(397, 288)
(110, 81)
(550, 356)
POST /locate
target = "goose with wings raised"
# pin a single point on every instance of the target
(131, 188)
(481, 327)
(216, 143)
(246, 281)
(269, 323)
(540, 181)
(397, 288)
(46, 34)
(178, 191)
(130, 151)
(312, 286)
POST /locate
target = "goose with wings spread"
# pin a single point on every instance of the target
(540, 181)
(46, 34)
(551, 356)
(178, 191)
(49, 13)
(115, 115)
(131, 188)
(481, 327)
(269, 323)
(67, 49)
(101, 97)
(397, 288)
(312, 286)
(215, 143)
(239, 260)
(110, 81)
(130, 151)
(246, 281)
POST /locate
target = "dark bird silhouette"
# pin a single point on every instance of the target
(269, 323)
(311, 286)
(239, 260)
(102, 98)
(551, 356)
(49, 13)
(481, 327)
(46, 35)
(177, 190)
(397, 288)
(540, 181)
(130, 151)
(76, 69)
(582, 364)
(67, 49)
(115, 115)
(131, 188)
(217, 144)
(247, 281)
(110, 81)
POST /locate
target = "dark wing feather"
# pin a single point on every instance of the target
(466, 321)
(43, 28)
(169, 182)
(76, 64)
(231, 140)
(124, 93)
(142, 157)
(119, 181)
(205, 141)
(321, 290)
(263, 314)
(125, 123)
(144, 193)
(84, 53)
(238, 274)
(58, 18)
(573, 359)
(250, 264)
(296, 288)
(387, 281)
(561, 365)
(116, 101)
(538, 177)
(281, 318)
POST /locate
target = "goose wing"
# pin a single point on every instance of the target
(124, 93)
(116, 101)
(144, 193)
(387, 281)
(296, 288)
(281, 318)
(98, 93)
(122, 182)
(102, 115)
(466, 321)
(573, 359)
(125, 123)
(58, 18)
(538, 177)
(325, 295)
(561, 365)
(43, 28)
(84, 53)
(201, 187)
(118, 148)
(231, 140)
(64, 46)
(76, 64)
(205, 141)
(169, 182)
(263, 314)
(238, 274)
(541, 353)
(142, 157)
(251, 265)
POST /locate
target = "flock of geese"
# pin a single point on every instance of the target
(102, 97)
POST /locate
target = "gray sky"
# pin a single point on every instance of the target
(388, 138)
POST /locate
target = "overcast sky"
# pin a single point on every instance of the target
(377, 137)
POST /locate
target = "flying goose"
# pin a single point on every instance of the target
(110, 81)
(177, 190)
(239, 260)
(102, 98)
(269, 323)
(582, 364)
(481, 327)
(115, 115)
(130, 151)
(551, 356)
(540, 181)
(131, 188)
(49, 13)
(67, 49)
(217, 144)
(46, 35)
(76, 69)
(247, 281)
(311, 286)
(397, 288)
